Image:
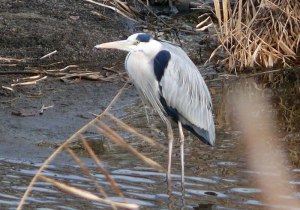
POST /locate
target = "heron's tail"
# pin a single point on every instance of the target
(204, 135)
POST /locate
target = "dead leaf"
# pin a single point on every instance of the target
(23, 113)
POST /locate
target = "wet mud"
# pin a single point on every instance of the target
(30, 30)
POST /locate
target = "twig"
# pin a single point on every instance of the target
(49, 54)
(28, 78)
(45, 108)
(112, 8)
(111, 69)
(85, 194)
(9, 60)
(28, 83)
(68, 67)
(205, 27)
(7, 88)
(79, 75)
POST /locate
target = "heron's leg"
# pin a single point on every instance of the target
(181, 151)
(147, 115)
(171, 140)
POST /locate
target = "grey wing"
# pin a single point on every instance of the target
(184, 91)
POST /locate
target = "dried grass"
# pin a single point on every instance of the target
(258, 33)
(103, 129)
(85, 194)
(254, 33)
(68, 74)
(118, 6)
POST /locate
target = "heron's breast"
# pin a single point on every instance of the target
(139, 67)
(140, 70)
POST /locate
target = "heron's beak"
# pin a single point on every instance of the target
(120, 45)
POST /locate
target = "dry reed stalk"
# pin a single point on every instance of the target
(7, 88)
(85, 170)
(110, 179)
(117, 6)
(68, 67)
(28, 78)
(261, 34)
(265, 156)
(102, 128)
(33, 82)
(133, 131)
(85, 194)
(115, 137)
(48, 55)
(82, 74)
(10, 60)
(62, 146)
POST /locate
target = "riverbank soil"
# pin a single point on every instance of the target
(28, 31)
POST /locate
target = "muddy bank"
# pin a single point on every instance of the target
(31, 29)
(27, 134)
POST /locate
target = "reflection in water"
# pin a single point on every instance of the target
(282, 90)
(216, 178)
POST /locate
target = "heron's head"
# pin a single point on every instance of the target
(136, 42)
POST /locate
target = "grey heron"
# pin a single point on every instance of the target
(165, 76)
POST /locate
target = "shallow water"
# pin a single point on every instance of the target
(216, 177)
(218, 184)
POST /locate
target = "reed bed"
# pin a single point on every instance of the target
(252, 34)
(262, 33)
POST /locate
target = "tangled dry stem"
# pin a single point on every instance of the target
(259, 33)
(103, 129)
